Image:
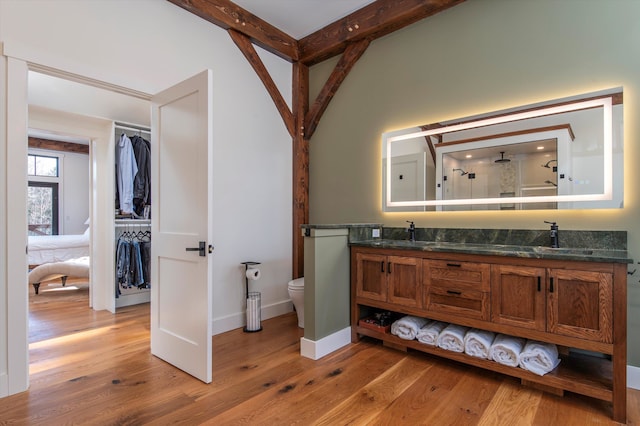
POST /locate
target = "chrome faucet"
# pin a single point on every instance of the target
(553, 234)
(411, 230)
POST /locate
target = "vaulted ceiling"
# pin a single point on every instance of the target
(373, 20)
(348, 36)
(299, 18)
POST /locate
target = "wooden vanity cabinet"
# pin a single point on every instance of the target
(371, 280)
(580, 304)
(393, 279)
(518, 296)
(567, 302)
(404, 281)
(457, 288)
(573, 304)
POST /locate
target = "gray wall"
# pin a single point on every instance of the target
(480, 56)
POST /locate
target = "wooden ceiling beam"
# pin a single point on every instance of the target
(249, 52)
(52, 145)
(300, 175)
(375, 20)
(351, 55)
(229, 15)
(349, 36)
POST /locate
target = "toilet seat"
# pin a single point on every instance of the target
(297, 283)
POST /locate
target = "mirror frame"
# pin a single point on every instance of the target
(602, 100)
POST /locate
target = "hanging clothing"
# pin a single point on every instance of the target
(136, 264)
(133, 262)
(127, 169)
(123, 262)
(142, 180)
(145, 247)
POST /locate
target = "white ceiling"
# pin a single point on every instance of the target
(299, 18)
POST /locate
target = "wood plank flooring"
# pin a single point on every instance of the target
(95, 368)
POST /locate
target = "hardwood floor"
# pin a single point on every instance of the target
(92, 367)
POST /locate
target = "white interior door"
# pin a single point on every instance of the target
(409, 179)
(181, 209)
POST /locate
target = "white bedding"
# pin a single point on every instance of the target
(57, 248)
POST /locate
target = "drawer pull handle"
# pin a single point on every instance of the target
(539, 287)
(382, 266)
(551, 285)
(456, 265)
(389, 268)
(457, 293)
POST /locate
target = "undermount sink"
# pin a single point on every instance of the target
(562, 250)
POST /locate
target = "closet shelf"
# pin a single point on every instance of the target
(127, 222)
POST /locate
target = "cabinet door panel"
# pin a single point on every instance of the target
(581, 304)
(405, 281)
(371, 276)
(518, 296)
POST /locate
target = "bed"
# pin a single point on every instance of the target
(57, 248)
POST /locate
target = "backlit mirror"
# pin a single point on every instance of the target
(561, 154)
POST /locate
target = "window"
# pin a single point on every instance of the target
(42, 195)
(42, 165)
(42, 208)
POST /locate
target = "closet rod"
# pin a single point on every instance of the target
(133, 129)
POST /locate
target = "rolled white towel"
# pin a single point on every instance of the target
(430, 332)
(452, 338)
(407, 327)
(539, 357)
(478, 342)
(506, 350)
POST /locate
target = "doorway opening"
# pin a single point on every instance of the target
(186, 114)
(58, 191)
(86, 116)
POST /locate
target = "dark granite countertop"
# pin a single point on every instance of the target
(341, 225)
(534, 252)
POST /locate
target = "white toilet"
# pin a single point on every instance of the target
(296, 293)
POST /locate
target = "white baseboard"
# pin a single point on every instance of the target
(316, 349)
(633, 377)
(238, 320)
(4, 385)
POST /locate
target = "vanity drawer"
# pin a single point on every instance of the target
(457, 301)
(459, 288)
(460, 275)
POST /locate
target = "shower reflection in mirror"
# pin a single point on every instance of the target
(566, 153)
(495, 173)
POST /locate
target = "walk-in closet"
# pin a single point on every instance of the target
(132, 220)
